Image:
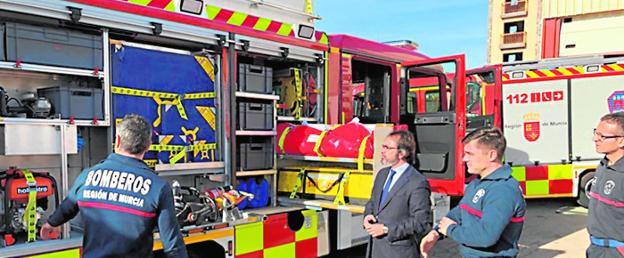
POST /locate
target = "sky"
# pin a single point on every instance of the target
(440, 27)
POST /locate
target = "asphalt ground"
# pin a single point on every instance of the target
(552, 228)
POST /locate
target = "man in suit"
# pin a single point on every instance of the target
(398, 213)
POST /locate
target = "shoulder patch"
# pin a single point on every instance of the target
(480, 193)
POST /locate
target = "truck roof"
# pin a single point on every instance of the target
(355, 45)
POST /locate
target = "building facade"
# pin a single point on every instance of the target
(521, 30)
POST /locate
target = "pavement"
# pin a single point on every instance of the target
(552, 228)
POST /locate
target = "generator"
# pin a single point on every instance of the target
(25, 196)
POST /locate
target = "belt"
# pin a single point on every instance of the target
(606, 242)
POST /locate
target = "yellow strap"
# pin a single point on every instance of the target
(340, 200)
(30, 214)
(317, 145)
(200, 95)
(298, 94)
(208, 115)
(361, 153)
(280, 143)
(177, 157)
(205, 63)
(298, 184)
(192, 133)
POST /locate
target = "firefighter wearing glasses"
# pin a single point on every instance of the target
(606, 205)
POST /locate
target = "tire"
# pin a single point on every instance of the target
(586, 183)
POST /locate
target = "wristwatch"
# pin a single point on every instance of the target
(385, 229)
(437, 230)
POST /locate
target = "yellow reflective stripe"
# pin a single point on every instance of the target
(165, 140)
(203, 146)
(280, 251)
(561, 171)
(208, 115)
(298, 93)
(177, 157)
(537, 187)
(548, 73)
(249, 238)
(309, 229)
(424, 88)
(616, 67)
(361, 153)
(72, 253)
(200, 95)
(280, 143)
(158, 98)
(150, 162)
(531, 74)
(158, 147)
(519, 173)
(564, 71)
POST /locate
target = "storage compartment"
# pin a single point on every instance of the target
(255, 78)
(52, 46)
(80, 103)
(255, 153)
(255, 116)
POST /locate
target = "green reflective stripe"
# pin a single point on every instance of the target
(248, 238)
(519, 173)
(285, 29)
(30, 214)
(281, 251)
(171, 6)
(140, 2)
(72, 253)
(537, 187)
(212, 11)
(324, 39)
(262, 24)
(557, 172)
(237, 18)
(282, 138)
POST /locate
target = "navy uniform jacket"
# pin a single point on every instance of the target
(490, 216)
(121, 201)
(606, 207)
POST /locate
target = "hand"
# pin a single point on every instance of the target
(49, 232)
(368, 221)
(428, 242)
(444, 224)
(376, 230)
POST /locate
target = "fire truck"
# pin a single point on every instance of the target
(549, 110)
(217, 80)
(201, 71)
(373, 89)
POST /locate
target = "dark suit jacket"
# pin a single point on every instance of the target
(406, 212)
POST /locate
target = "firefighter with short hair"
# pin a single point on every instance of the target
(606, 205)
(121, 200)
(489, 218)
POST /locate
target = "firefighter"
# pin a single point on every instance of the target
(121, 200)
(606, 205)
(489, 218)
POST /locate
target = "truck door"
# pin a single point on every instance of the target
(483, 97)
(439, 128)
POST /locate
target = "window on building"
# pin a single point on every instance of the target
(512, 2)
(513, 27)
(512, 57)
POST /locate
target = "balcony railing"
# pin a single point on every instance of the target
(513, 40)
(514, 9)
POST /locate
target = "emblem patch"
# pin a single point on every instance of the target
(608, 188)
(478, 195)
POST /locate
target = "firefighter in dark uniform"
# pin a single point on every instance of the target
(121, 201)
(606, 205)
(489, 218)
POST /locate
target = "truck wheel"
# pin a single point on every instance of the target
(586, 183)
